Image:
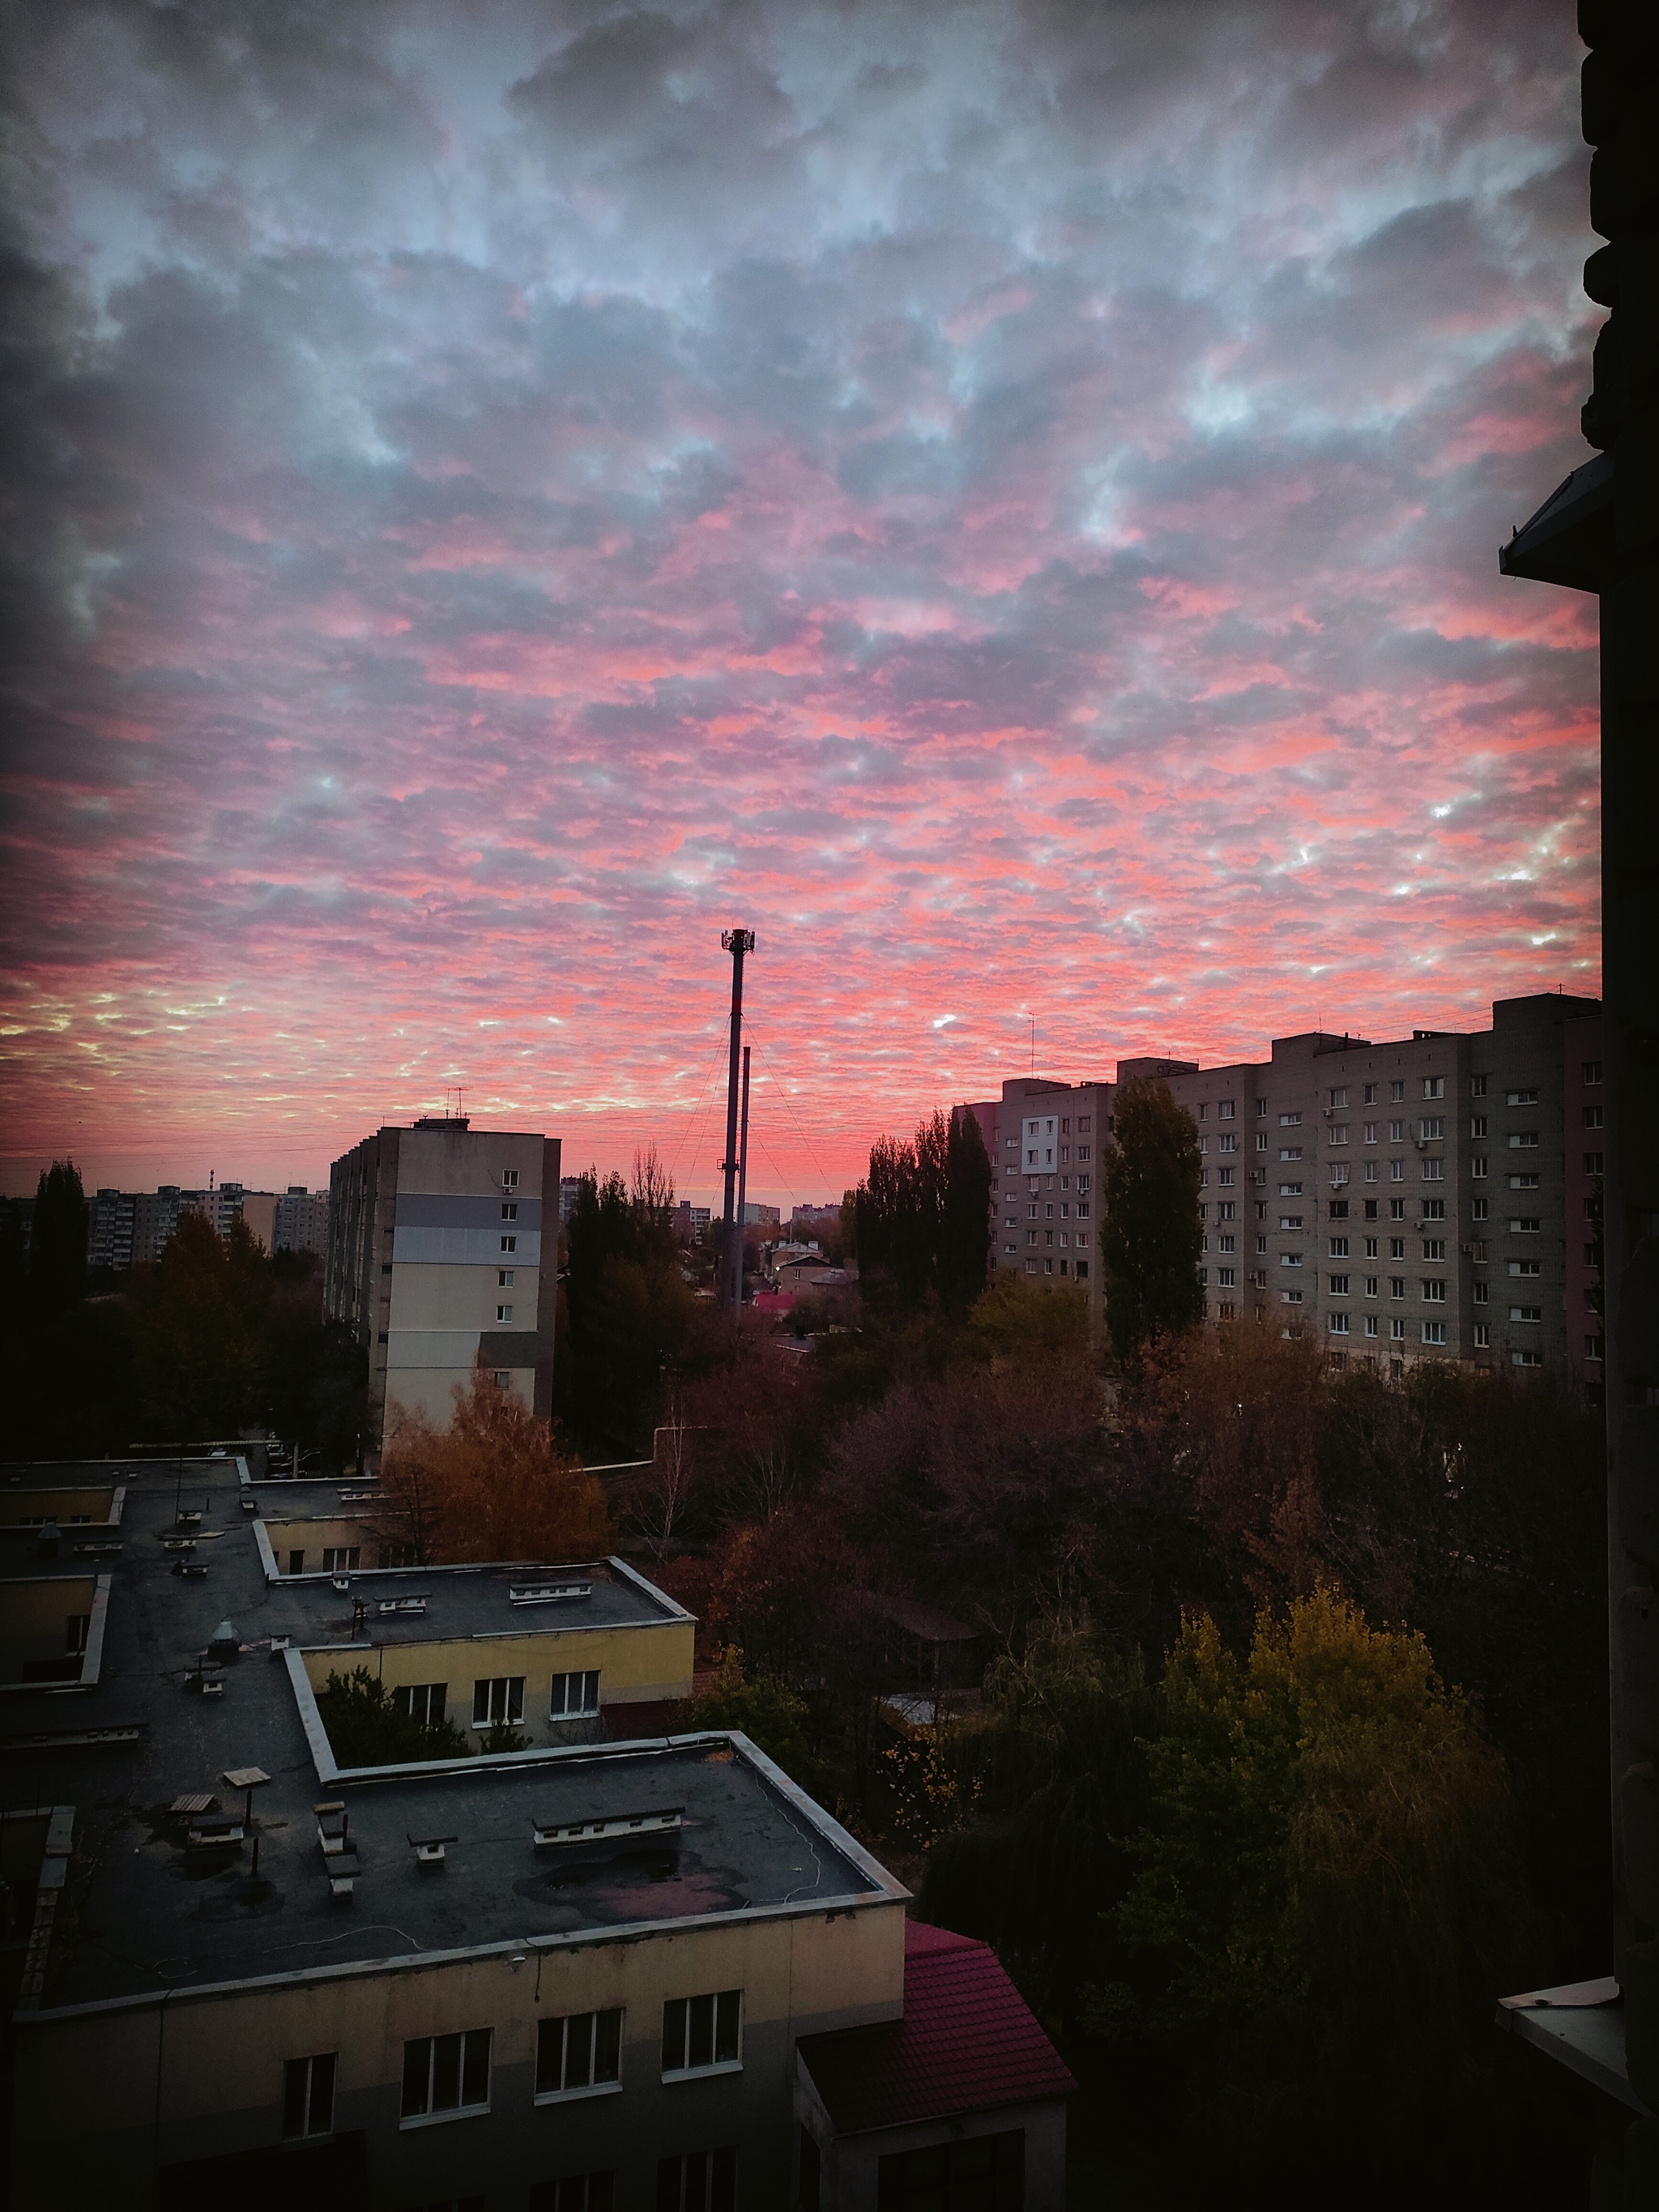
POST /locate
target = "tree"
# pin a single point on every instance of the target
(57, 1241)
(496, 1484)
(761, 1708)
(1329, 1893)
(1150, 1237)
(922, 1216)
(199, 1321)
(629, 1309)
(367, 1728)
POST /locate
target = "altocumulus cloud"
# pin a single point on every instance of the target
(1001, 498)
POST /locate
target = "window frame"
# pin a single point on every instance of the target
(582, 1712)
(610, 2086)
(717, 2000)
(430, 2115)
(489, 1682)
(305, 2132)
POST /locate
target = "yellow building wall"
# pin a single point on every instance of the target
(35, 1617)
(634, 1663)
(94, 1504)
(313, 1537)
(203, 2075)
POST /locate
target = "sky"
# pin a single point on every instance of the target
(1001, 500)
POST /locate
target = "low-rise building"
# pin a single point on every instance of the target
(603, 1974)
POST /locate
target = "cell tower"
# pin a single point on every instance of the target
(737, 942)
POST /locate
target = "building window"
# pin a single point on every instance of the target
(1523, 1182)
(1337, 1323)
(1521, 1098)
(1290, 1152)
(1396, 1286)
(308, 2097)
(1434, 1171)
(1339, 1097)
(1524, 1141)
(425, 1702)
(341, 1558)
(1434, 1292)
(1370, 1132)
(297, 1563)
(1593, 1164)
(1339, 1249)
(509, 1243)
(1482, 1293)
(504, 1277)
(1478, 1169)
(1526, 1267)
(1526, 1359)
(1433, 1129)
(1397, 1089)
(1525, 1225)
(446, 2075)
(1594, 1346)
(503, 1313)
(1479, 1210)
(1434, 1209)
(1477, 1086)
(1434, 1086)
(509, 1213)
(1370, 1324)
(1530, 1315)
(1082, 1270)
(1483, 1336)
(1290, 1259)
(1434, 1331)
(1291, 1297)
(579, 2054)
(1396, 1247)
(699, 2181)
(1226, 1279)
(503, 1378)
(1339, 1286)
(1083, 1123)
(497, 1698)
(1226, 1142)
(1397, 1329)
(575, 2192)
(701, 2034)
(1434, 1247)
(1226, 1110)
(1593, 1074)
(1290, 1221)
(1261, 1140)
(1370, 1290)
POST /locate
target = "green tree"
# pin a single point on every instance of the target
(629, 1308)
(761, 1708)
(1150, 1237)
(1329, 1892)
(367, 1728)
(922, 1217)
(199, 1325)
(57, 1241)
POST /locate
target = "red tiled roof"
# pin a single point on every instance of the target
(967, 2043)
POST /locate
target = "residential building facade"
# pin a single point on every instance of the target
(300, 1221)
(436, 1253)
(1436, 1197)
(1044, 1140)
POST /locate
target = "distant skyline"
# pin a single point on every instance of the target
(1001, 500)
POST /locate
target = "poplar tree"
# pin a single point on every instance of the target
(1150, 1236)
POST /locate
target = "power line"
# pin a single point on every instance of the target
(826, 1179)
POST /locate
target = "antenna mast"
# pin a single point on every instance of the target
(737, 942)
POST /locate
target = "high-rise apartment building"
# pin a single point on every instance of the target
(1044, 1140)
(1433, 1198)
(300, 1223)
(436, 1253)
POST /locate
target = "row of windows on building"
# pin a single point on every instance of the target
(448, 2077)
(498, 1699)
(1434, 1087)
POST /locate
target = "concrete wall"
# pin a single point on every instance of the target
(34, 1616)
(650, 1661)
(201, 2075)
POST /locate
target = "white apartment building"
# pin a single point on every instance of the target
(436, 1251)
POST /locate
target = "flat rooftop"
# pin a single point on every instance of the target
(146, 1911)
(466, 1601)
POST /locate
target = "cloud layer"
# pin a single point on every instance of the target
(1001, 500)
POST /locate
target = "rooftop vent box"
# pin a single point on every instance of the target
(396, 1605)
(341, 1581)
(549, 1593)
(608, 1827)
(224, 1643)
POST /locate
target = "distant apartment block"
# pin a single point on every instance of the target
(1432, 1198)
(436, 1253)
(690, 1222)
(756, 1215)
(1044, 1139)
(570, 1190)
(300, 1221)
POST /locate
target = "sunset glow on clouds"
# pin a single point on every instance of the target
(1001, 501)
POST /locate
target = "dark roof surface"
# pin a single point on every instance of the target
(967, 2043)
(146, 1911)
